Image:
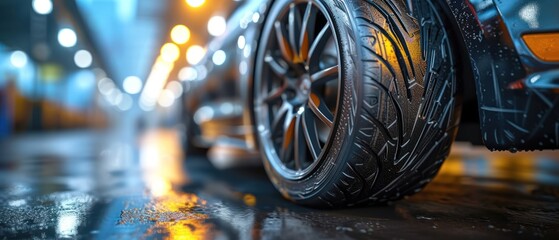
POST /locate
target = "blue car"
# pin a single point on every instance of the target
(357, 102)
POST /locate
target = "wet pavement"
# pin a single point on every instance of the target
(105, 186)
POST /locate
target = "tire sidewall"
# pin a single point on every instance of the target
(338, 148)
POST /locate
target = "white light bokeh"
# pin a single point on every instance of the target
(146, 105)
(67, 37)
(170, 52)
(255, 17)
(42, 7)
(247, 51)
(115, 97)
(217, 26)
(241, 42)
(219, 57)
(202, 72)
(188, 74)
(154, 83)
(226, 108)
(99, 73)
(166, 99)
(176, 88)
(194, 54)
(18, 59)
(132, 85)
(126, 103)
(203, 114)
(105, 86)
(243, 68)
(83, 59)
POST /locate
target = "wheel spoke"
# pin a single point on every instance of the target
(300, 143)
(325, 75)
(311, 134)
(277, 67)
(275, 95)
(285, 48)
(319, 108)
(288, 138)
(279, 120)
(294, 28)
(318, 45)
(307, 31)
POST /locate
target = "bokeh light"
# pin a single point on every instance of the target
(217, 26)
(241, 42)
(170, 52)
(42, 7)
(180, 34)
(126, 103)
(194, 54)
(18, 59)
(105, 86)
(83, 59)
(115, 97)
(154, 83)
(176, 88)
(219, 57)
(188, 74)
(195, 3)
(67, 37)
(132, 85)
(166, 99)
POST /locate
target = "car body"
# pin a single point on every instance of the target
(507, 50)
(516, 112)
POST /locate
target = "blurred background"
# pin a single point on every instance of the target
(83, 82)
(99, 64)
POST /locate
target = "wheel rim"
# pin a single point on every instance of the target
(297, 88)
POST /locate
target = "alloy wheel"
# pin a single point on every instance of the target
(297, 88)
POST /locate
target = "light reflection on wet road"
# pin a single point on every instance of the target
(86, 185)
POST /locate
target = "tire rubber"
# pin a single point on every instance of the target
(398, 109)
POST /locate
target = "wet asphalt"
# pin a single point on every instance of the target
(89, 185)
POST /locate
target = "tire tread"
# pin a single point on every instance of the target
(390, 105)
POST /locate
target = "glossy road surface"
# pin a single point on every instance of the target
(103, 186)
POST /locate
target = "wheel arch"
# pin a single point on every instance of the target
(510, 119)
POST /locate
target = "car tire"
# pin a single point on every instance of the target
(395, 113)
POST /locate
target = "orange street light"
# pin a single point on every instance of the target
(195, 3)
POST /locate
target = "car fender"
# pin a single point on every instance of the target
(489, 36)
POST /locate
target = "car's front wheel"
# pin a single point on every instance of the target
(354, 102)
